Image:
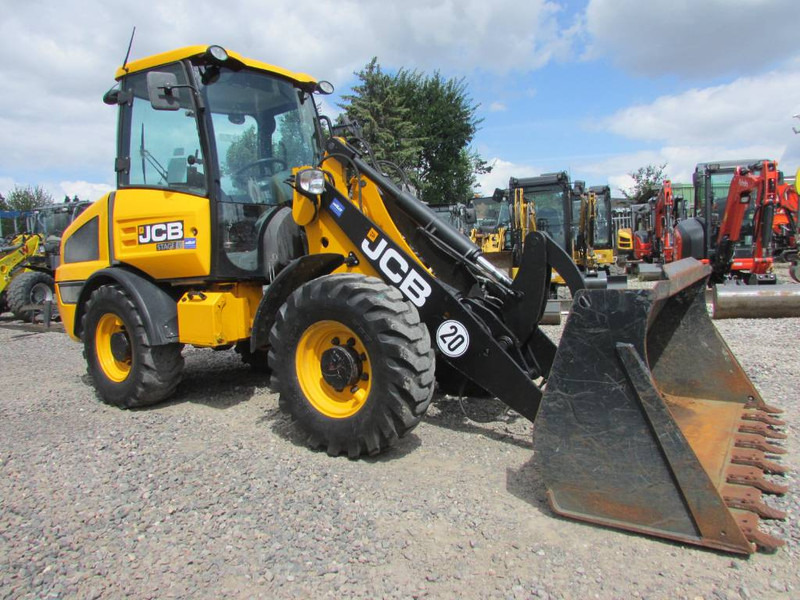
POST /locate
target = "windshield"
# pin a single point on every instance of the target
(490, 214)
(549, 212)
(262, 127)
(50, 222)
(602, 229)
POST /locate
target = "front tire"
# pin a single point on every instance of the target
(352, 363)
(126, 370)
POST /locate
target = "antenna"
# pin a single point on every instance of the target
(128, 53)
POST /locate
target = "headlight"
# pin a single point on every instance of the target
(311, 181)
(217, 54)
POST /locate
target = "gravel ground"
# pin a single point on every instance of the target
(213, 495)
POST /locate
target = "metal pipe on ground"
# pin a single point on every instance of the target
(552, 313)
(650, 272)
(755, 302)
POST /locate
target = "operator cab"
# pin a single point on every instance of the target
(215, 125)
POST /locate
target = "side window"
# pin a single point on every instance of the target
(164, 147)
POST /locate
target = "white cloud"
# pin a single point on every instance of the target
(748, 110)
(497, 107)
(702, 39)
(84, 190)
(502, 171)
(750, 117)
(65, 55)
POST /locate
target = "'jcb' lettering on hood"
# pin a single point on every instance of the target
(160, 232)
(396, 269)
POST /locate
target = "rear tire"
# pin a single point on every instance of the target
(352, 363)
(30, 287)
(127, 371)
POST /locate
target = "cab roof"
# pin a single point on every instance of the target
(190, 51)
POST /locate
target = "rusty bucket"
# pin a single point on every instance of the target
(649, 424)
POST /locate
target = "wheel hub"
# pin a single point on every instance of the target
(341, 367)
(120, 347)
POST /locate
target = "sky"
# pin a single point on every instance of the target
(598, 88)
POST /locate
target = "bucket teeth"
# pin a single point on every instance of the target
(748, 523)
(743, 475)
(762, 417)
(749, 498)
(756, 458)
(757, 442)
(757, 428)
(759, 404)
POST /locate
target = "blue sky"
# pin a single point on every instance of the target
(596, 87)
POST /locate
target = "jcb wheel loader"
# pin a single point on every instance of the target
(237, 222)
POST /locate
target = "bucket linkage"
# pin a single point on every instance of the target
(649, 424)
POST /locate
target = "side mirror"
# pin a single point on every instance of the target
(162, 90)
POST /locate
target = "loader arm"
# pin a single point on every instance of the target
(437, 269)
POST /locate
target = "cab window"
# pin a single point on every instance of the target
(164, 146)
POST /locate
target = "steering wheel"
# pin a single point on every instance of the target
(260, 162)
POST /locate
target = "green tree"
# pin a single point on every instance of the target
(646, 183)
(241, 152)
(28, 198)
(424, 124)
(378, 106)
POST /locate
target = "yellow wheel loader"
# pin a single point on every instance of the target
(237, 222)
(28, 264)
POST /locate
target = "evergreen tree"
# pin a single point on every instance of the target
(424, 125)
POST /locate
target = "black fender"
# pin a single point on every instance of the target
(291, 277)
(159, 310)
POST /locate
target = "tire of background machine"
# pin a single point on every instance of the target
(399, 364)
(21, 289)
(151, 374)
(794, 271)
(257, 361)
(3, 302)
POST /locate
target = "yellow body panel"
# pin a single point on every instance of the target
(172, 56)
(28, 246)
(67, 314)
(81, 271)
(146, 234)
(215, 318)
(625, 239)
(324, 234)
(604, 257)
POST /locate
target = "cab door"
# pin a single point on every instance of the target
(160, 214)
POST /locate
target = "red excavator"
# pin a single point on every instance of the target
(784, 228)
(753, 188)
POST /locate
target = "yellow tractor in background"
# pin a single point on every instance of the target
(28, 263)
(593, 250)
(239, 220)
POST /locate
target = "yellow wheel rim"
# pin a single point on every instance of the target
(115, 367)
(320, 337)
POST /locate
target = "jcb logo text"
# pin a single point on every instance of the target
(160, 232)
(396, 268)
